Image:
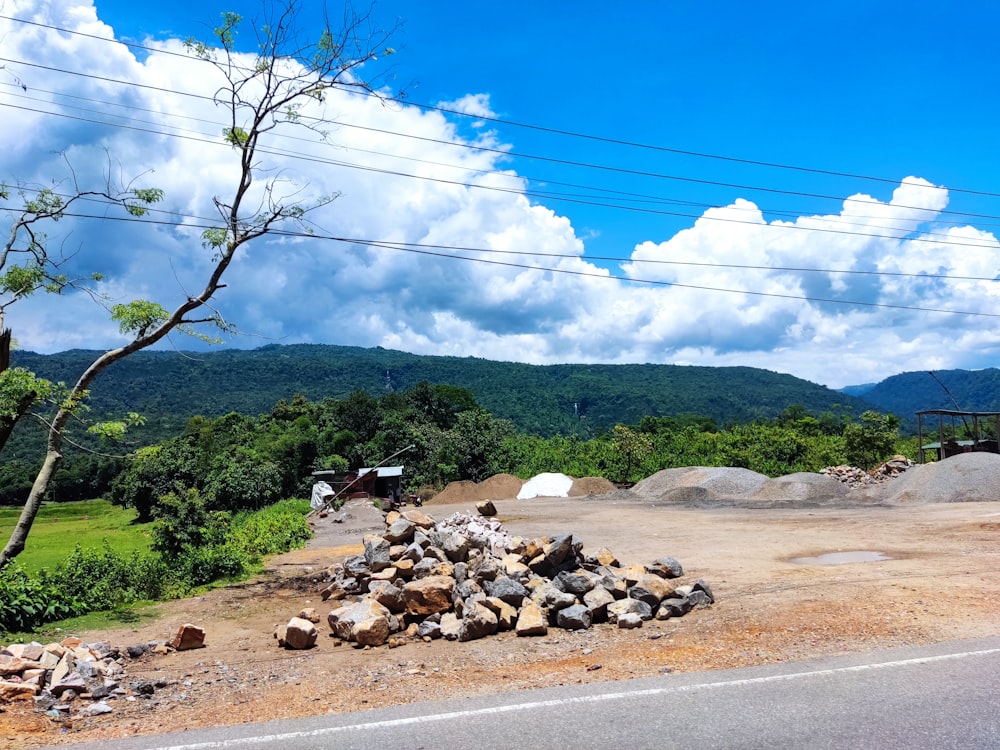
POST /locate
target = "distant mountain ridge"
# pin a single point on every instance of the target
(910, 392)
(170, 387)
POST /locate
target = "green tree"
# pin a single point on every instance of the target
(871, 440)
(260, 101)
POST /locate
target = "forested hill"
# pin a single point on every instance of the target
(169, 387)
(909, 392)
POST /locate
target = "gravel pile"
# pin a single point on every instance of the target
(700, 485)
(801, 490)
(967, 477)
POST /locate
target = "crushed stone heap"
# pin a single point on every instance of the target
(56, 674)
(466, 577)
(853, 477)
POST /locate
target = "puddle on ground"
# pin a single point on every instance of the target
(842, 558)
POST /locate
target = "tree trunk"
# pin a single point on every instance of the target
(20, 534)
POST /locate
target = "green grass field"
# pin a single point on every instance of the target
(59, 527)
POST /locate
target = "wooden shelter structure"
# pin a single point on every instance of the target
(981, 429)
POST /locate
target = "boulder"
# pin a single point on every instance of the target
(343, 620)
(17, 691)
(597, 601)
(531, 621)
(299, 633)
(665, 567)
(373, 631)
(507, 589)
(576, 617)
(651, 589)
(486, 508)
(376, 553)
(428, 595)
(188, 637)
(629, 606)
(478, 621)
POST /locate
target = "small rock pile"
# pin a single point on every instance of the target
(466, 578)
(854, 477)
(57, 675)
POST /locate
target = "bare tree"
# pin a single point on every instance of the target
(287, 73)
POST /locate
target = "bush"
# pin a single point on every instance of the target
(207, 564)
(29, 601)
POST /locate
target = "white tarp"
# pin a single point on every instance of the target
(548, 484)
(320, 492)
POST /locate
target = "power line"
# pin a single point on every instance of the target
(621, 194)
(521, 192)
(541, 254)
(554, 160)
(416, 249)
(547, 129)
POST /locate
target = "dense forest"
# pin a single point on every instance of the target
(583, 400)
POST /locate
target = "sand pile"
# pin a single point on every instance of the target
(497, 487)
(591, 486)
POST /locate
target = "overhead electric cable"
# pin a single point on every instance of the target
(543, 128)
(417, 250)
(564, 162)
(528, 193)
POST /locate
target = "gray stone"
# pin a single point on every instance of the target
(627, 606)
(455, 546)
(377, 553)
(673, 607)
(630, 620)
(428, 629)
(651, 589)
(577, 584)
(388, 595)
(576, 617)
(699, 600)
(357, 566)
(597, 601)
(96, 709)
(665, 567)
(506, 589)
(554, 599)
(478, 621)
(400, 532)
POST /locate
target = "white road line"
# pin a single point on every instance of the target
(603, 697)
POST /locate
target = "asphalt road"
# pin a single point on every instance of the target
(941, 696)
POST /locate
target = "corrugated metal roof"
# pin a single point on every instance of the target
(383, 471)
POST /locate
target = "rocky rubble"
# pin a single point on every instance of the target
(76, 679)
(854, 477)
(465, 578)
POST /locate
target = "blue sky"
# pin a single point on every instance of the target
(899, 91)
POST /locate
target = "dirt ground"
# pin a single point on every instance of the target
(942, 583)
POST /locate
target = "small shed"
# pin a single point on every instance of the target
(382, 481)
(981, 429)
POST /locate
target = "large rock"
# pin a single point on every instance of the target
(531, 621)
(629, 606)
(428, 595)
(343, 620)
(506, 589)
(377, 553)
(371, 632)
(299, 633)
(401, 532)
(597, 601)
(576, 617)
(651, 589)
(665, 567)
(388, 595)
(188, 637)
(16, 691)
(478, 621)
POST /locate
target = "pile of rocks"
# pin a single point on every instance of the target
(854, 477)
(465, 578)
(56, 675)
